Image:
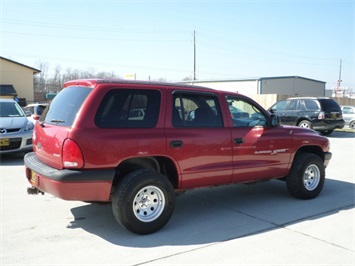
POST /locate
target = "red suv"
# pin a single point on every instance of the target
(129, 143)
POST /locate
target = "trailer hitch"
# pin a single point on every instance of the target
(34, 191)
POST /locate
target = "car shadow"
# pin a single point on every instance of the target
(217, 214)
(11, 159)
(342, 134)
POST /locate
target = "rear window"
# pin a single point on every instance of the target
(127, 108)
(65, 105)
(330, 105)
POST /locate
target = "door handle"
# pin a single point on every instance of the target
(238, 141)
(176, 143)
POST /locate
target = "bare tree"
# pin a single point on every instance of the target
(40, 79)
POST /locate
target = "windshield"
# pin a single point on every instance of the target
(65, 105)
(10, 109)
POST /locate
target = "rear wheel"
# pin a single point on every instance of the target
(305, 124)
(306, 177)
(326, 132)
(143, 201)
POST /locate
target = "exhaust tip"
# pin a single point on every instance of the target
(34, 191)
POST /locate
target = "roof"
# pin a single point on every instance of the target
(35, 70)
(6, 100)
(93, 82)
(249, 79)
(7, 90)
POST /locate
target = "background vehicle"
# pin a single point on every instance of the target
(318, 113)
(349, 115)
(87, 147)
(15, 129)
(33, 111)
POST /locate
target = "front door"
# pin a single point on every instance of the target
(260, 151)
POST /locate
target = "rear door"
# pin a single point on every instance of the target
(198, 140)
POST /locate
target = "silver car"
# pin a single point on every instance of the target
(349, 115)
(15, 129)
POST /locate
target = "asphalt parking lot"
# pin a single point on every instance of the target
(238, 225)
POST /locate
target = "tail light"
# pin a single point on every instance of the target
(72, 155)
(321, 115)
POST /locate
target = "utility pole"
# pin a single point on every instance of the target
(337, 89)
(339, 80)
(194, 55)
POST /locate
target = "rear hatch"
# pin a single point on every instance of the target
(55, 124)
(331, 109)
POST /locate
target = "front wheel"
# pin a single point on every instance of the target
(143, 201)
(352, 125)
(306, 177)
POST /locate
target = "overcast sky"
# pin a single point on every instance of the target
(154, 39)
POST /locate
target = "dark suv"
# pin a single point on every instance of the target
(319, 113)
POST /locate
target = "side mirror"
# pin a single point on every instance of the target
(275, 120)
(28, 113)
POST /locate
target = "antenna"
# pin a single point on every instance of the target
(194, 55)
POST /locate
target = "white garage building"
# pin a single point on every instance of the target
(287, 85)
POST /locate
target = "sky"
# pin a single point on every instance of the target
(234, 39)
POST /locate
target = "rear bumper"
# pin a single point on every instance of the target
(328, 124)
(82, 185)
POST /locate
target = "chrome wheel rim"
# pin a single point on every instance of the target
(148, 204)
(311, 177)
(304, 125)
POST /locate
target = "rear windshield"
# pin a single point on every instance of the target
(329, 105)
(65, 105)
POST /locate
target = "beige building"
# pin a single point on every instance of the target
(288, 85)
(19, 77)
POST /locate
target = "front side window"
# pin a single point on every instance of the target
(280, 106)
(129, 108)
(196, 110)
(244, 113)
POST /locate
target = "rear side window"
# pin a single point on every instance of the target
(196, 110)
(65, 105)
(127, 108)
(311, 105)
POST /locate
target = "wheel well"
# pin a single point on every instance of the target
(312, 149)
(301, 119)
(162, 165)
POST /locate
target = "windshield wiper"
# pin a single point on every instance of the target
(57, 121)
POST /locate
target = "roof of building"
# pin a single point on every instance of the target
(249, 79)
(35, 70)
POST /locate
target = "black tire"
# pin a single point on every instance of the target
(143, 201)
(305, 124)
(307, 176)
(326, 132)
